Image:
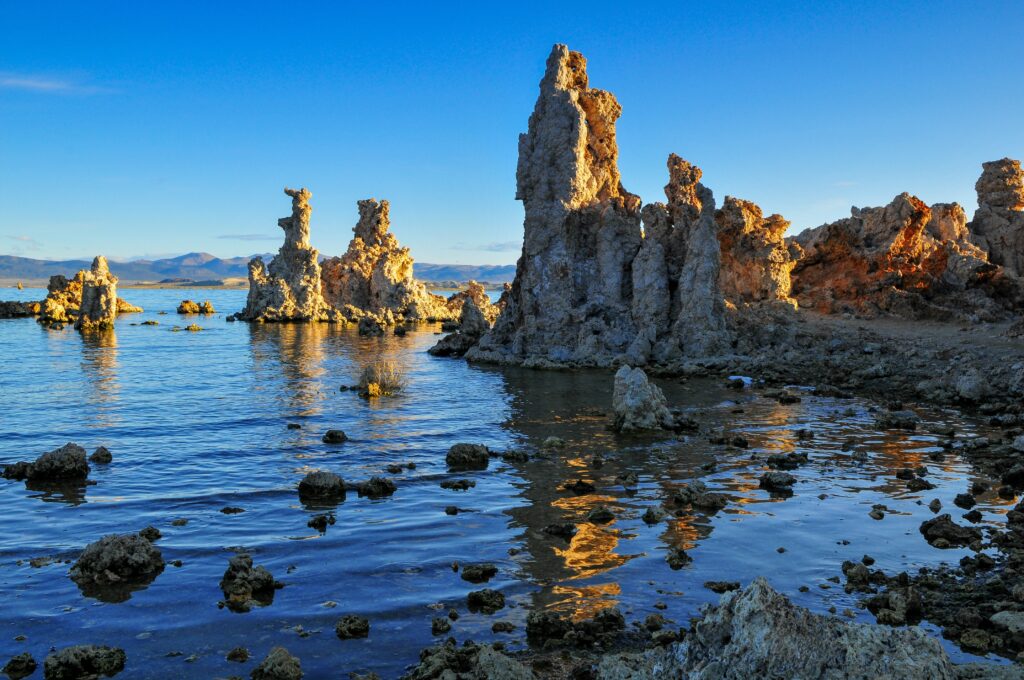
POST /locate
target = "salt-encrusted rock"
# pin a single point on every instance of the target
(756, 261)
(246, 586)
(638, 404)
(113, 566)
(998, 224)
(893, 260)
(375, 275)
(82, 662)
(278, 665)
(98, 308)
(472, 325)
(191, 307)
(758, 633)
(289, 288)
(478, 294)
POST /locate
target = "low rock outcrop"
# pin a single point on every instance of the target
(84, 661)
(192, 307)
(756, 633)
(998, 224)
(114, 566)
(473, 324)
(895, 260)
(637, 404)
(289, 288)
(246, 586)
(67, 464)
(278, 665)
(374, 277)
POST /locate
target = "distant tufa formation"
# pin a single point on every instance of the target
(88, 300)
(594, 289)
(372, 283)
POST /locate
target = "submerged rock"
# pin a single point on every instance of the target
(84, 661)
(638, 404)
(943, 532)
(377, 487)
(115, 565)
(101, 456)
(246, 586)
(479, 573)
(278, 665)
(487, 601)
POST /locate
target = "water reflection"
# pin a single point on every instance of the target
(292, 353)
(100, 370)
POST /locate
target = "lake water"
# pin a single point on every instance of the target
(198, 421)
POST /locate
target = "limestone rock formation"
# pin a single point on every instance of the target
(478, 294)
(892, 260)
(758, 633)
(756, 261)
(89, 299)
(998, 224)
(591, 288)
(289, 289)
(374, 276)
(637, 404)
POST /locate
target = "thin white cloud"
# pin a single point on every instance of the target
(25, 241)
(497, 247)
(43, 84)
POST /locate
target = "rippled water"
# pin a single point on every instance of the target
(197, 422)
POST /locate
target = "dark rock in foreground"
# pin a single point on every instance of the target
(83, 661)
(246, 586)
(468, 457)
(278, 665)
(113, 566)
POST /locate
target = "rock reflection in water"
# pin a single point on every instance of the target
(100, 370)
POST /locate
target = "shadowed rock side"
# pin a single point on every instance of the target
(905, 259)
(758, 633)
(289, 289)
(374, 276)
(998, 225)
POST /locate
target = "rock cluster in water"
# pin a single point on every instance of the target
(88, 300)
(372, 284)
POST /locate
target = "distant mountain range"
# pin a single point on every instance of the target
(204, 267)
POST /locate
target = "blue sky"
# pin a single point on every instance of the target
(158, 128)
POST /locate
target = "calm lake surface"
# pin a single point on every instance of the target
(198, 421)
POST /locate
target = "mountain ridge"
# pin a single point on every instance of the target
(204, 266)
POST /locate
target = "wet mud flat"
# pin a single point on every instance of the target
(574, 519)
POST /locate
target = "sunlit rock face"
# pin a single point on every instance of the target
(98, 308)
(756, 261)
(998, 224)
(289, 288)
(89, 299)
(590, 288)
(374, 277)
(478, 294)
(906, 259)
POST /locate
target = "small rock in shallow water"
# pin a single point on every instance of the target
(151, 534)
(115, 565)
(278, 665)
(83, 661)
(294, 426)
(502, 627)
(722, 586)
(321, 485)
(600, 515)
(579, 487)
(965, 501)
(238, 655)
(486, 601)
(377, 487)
(334, 437)
(942, 532)
(321, 522)
(468, 457)
(20, 666)
(479, 573)
(440, 626)
(458, 484)
(935, 505)
(652, 515)
(778, 482)
(553, 443)
(101, 455)
(352, 626)
(677, 558)
(246, 586)
(231, 510)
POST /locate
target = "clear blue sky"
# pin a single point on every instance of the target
(144, 128)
